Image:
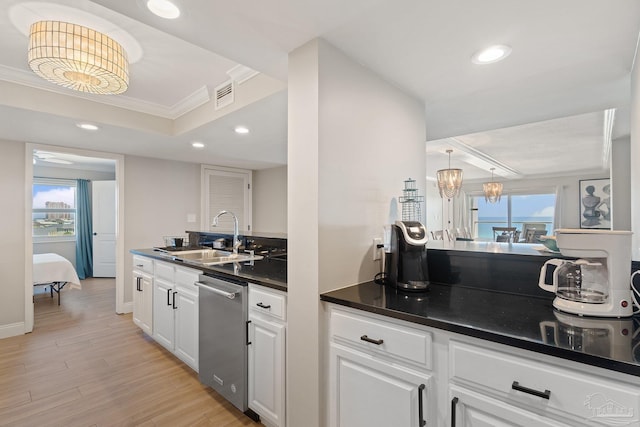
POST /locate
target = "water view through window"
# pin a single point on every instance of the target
(517, 211)
(54, 209)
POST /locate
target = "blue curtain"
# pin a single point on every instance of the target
(84, 231)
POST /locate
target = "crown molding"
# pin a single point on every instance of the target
(192, 101)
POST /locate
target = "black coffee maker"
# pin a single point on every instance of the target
(406, 268)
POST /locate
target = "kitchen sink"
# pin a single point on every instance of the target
(212, 257)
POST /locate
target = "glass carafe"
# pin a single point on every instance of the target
(583, 281)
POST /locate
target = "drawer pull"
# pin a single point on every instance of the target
(421, 421)
(454, 403)
(261, 305)
(543, 394)
(372, 341)
(140, 265)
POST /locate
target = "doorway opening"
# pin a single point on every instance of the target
(63, 186)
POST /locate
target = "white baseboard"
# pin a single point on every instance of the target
(127, 307)
(11, 330)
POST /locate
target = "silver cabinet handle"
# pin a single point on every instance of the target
(230, 295)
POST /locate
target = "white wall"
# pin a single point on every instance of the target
(353, 140)
(158, 196)
(270, 200)
(70, 173)
(12, 258)
(66, 249)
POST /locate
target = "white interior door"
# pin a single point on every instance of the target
(226, 189)
(104, 228)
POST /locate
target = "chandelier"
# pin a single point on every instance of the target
(78, 58)
(449, 180)
(492, 190)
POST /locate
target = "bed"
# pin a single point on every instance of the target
(54, 271)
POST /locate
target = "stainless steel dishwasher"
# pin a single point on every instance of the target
(223, 338)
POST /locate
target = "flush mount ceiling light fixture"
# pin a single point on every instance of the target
(241, 129)
(78, 58)
(492, 190)
(197, 144)
(163, 8)
(449, 180)
(491, 54)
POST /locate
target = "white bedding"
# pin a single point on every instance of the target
(48, 268)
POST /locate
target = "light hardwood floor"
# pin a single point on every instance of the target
(84, 365)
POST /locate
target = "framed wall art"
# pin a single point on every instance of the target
(595, 203)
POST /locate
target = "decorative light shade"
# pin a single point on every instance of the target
(449, 180)
(78, 57)
(492, 190)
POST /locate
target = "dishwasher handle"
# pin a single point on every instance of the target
(230, 295)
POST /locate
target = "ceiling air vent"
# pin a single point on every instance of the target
(224, 95)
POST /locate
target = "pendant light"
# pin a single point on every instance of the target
(449, 180)
(492, 190)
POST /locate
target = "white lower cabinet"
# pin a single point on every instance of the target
(267, 364)
(378, 373)
(143, 293)
(175, 311)
(378, 364)
(556, 390)
(470, 409)
(365, 392)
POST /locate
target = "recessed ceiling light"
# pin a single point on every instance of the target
(491, 54)
(87, 126)
(197, 144)
(241, 129)
(163, 9)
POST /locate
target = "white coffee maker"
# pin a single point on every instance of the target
(597, 283)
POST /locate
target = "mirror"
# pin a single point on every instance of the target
(539, 156)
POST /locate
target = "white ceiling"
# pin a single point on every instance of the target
(569, 58)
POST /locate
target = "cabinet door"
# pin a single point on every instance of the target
(137, 298)
(147, 304)
(163, 324)
(142, 309)
(365, 392)
(186, 327)
(267, 369)
(469, 409)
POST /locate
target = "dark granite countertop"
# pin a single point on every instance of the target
(526, 322)
(269, 271)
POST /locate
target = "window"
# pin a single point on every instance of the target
(54, 209)
(514, 210)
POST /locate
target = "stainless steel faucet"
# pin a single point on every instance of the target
(236, 241)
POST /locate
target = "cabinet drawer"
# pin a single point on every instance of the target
(186, 278)
(383, 337)
(143, 263)
(267, 301)
(589, 398)
(165, 271)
